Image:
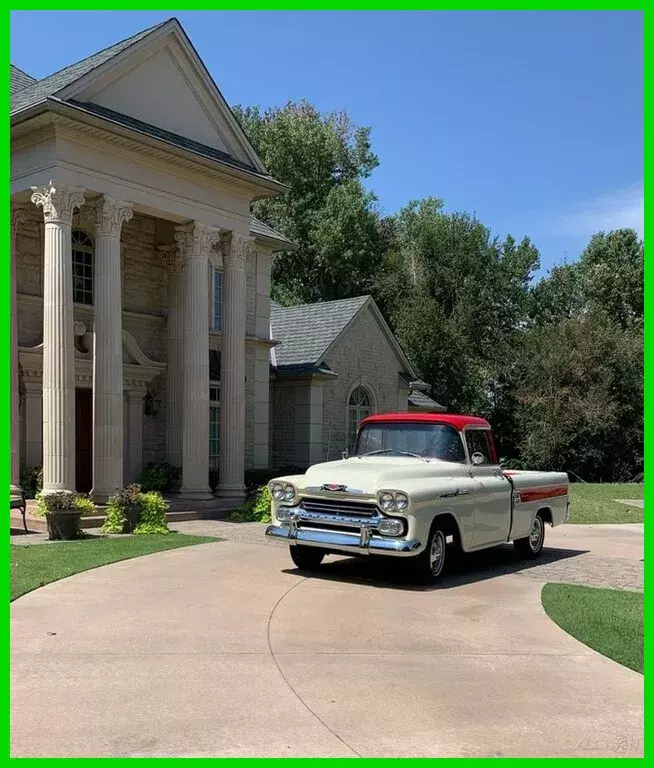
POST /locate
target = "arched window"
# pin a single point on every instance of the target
(82, 247)
(359, 406)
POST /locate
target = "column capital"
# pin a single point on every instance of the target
(236, 249)
(18, 216)
(58, 201)
(196, 240)
(110, 215)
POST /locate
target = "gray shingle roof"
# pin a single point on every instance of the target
(260, 228)
(18, 79)
(422, 401)
(41, 89)
(305, 332)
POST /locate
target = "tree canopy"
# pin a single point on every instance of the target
(555, 364)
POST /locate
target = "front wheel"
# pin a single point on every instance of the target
(532, 545)
(306, 558)
(429, 564)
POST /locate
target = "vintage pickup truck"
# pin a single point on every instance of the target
(418, 486)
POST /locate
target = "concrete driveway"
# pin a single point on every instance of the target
(225, 650)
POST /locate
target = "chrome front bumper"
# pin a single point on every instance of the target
(363, 543)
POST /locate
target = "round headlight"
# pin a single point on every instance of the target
(277, 491)
(289, 493)
(401, 501)
(386, 501)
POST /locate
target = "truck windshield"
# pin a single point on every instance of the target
(433, 441)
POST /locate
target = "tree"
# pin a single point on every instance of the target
(327, 212)
(456, 297)
(579, 387)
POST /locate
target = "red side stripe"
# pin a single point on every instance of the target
(544, 493)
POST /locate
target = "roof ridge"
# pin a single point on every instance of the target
(121, 45)
(329, 301)
(22, 71)
(145, 31)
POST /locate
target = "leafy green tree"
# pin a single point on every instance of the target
(457, 297)
(579, 387)
(327, 212)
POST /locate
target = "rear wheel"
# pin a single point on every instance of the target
(429, 564)
(532, 545)
(306, 558)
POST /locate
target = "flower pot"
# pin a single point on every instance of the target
(132, 515)
(63, 524)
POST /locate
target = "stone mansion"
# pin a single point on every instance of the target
(140, 286)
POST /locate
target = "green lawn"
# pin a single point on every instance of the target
(34, 565)
(594, 503)
(610, 621)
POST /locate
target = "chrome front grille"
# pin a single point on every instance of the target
(339, 507)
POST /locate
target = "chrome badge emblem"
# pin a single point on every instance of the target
(333, 487)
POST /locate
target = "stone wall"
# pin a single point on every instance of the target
(144, 285)
(362, 356)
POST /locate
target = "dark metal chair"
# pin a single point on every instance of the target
(17, 501)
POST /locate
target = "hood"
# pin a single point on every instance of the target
(375, 473)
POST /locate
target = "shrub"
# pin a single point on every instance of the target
(63, 500)
(31, 481)
(123, 510)
(132, 511)
(159, 476)
(153, 514)
(256, 507)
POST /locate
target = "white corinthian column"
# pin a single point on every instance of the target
(17, 218)
(58, 203)
(232, 370)
(195, 241)
(108, 349)
(171, 259)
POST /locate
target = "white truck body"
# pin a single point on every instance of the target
(337, 506)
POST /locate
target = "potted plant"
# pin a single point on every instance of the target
(63, 510)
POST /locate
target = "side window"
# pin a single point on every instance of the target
(477, 441)
(82, 248)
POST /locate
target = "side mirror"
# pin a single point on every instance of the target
(477, 458)
(345, 454)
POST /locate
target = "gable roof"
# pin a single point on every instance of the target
(18, 80)
(307, 332)
(69, 88)
(40, 90)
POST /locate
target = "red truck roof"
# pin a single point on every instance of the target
(456, 420)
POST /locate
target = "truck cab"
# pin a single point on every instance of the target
(417, 486)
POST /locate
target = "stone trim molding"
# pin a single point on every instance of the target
(110, 215)
(196, 240)
(58, 201)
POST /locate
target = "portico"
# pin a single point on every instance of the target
(134, 256)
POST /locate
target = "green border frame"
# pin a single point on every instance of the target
(288, 5)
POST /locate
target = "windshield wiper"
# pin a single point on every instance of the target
(390, 450)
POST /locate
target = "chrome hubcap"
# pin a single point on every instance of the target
(437, 554)
(536, 534)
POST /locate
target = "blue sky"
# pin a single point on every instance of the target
(531, 120)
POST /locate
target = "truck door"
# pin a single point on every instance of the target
(492, 499)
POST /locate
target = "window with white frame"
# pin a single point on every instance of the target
(82, 247)
(217, 301)
(214, 427)
(359, 407)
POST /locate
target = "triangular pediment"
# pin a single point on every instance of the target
(162, 81)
